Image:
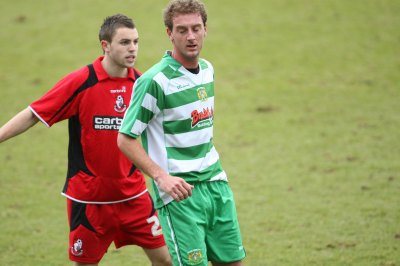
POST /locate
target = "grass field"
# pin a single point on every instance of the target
(307, 123)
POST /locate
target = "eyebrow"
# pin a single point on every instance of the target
(188, 26)
(127, 39)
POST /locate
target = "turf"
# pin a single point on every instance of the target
(306, 122)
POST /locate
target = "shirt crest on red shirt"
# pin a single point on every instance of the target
(120, 105)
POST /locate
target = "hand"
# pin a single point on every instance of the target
(175, 186)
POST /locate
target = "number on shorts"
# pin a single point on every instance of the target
(155, 228)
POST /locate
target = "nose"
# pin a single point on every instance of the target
(133, 46)
(190, 35)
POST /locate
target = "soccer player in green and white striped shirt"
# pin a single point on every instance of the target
(172, 109)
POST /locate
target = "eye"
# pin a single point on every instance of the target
(181, 30)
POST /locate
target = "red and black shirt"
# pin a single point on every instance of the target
(94, 103)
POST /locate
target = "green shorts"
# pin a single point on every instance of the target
(203, 227)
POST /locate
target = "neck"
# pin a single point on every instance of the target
(188, 63)
(112, 69)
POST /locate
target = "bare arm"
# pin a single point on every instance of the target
(174, 186)
(18, 124)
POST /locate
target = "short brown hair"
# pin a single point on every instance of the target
(176, 7)
(112, 23)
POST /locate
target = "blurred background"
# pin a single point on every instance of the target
(307, 123)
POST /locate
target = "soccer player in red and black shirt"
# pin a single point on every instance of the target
(107, 197)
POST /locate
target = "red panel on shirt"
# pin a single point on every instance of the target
(95, 105)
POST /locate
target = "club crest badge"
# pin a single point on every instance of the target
(195, 257)
(120, 105)
(202, 94)
(77, 248)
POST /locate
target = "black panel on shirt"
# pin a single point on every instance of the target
(89, 82)
(137, 75)
(132, 170)
(76, 161)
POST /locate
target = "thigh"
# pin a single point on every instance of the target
(139, 224)
(158, 256)
(224, 241)
(92, 229)
(184, 231)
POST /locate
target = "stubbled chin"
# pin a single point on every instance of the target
(130, 63)
(192, 54)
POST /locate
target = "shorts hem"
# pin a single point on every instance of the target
(230, 261)
(88, 261)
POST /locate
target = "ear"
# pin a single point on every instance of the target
(105, 46)
(169, 33)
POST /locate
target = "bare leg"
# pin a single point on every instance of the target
(159, 256)
(83, 264)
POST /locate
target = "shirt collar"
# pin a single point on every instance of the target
(102, 74)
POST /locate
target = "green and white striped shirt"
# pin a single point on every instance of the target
(172, 110)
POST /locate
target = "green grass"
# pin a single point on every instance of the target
(307, 124)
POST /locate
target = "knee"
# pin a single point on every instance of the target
(164, 261)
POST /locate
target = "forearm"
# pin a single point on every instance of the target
(133, 149)
(176, 187)
(18, 124)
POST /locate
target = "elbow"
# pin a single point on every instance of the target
(121, 141)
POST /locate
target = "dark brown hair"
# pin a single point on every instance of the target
(176, 7)
(112, 23)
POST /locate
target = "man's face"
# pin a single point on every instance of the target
(123, 48)
(187, 35)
